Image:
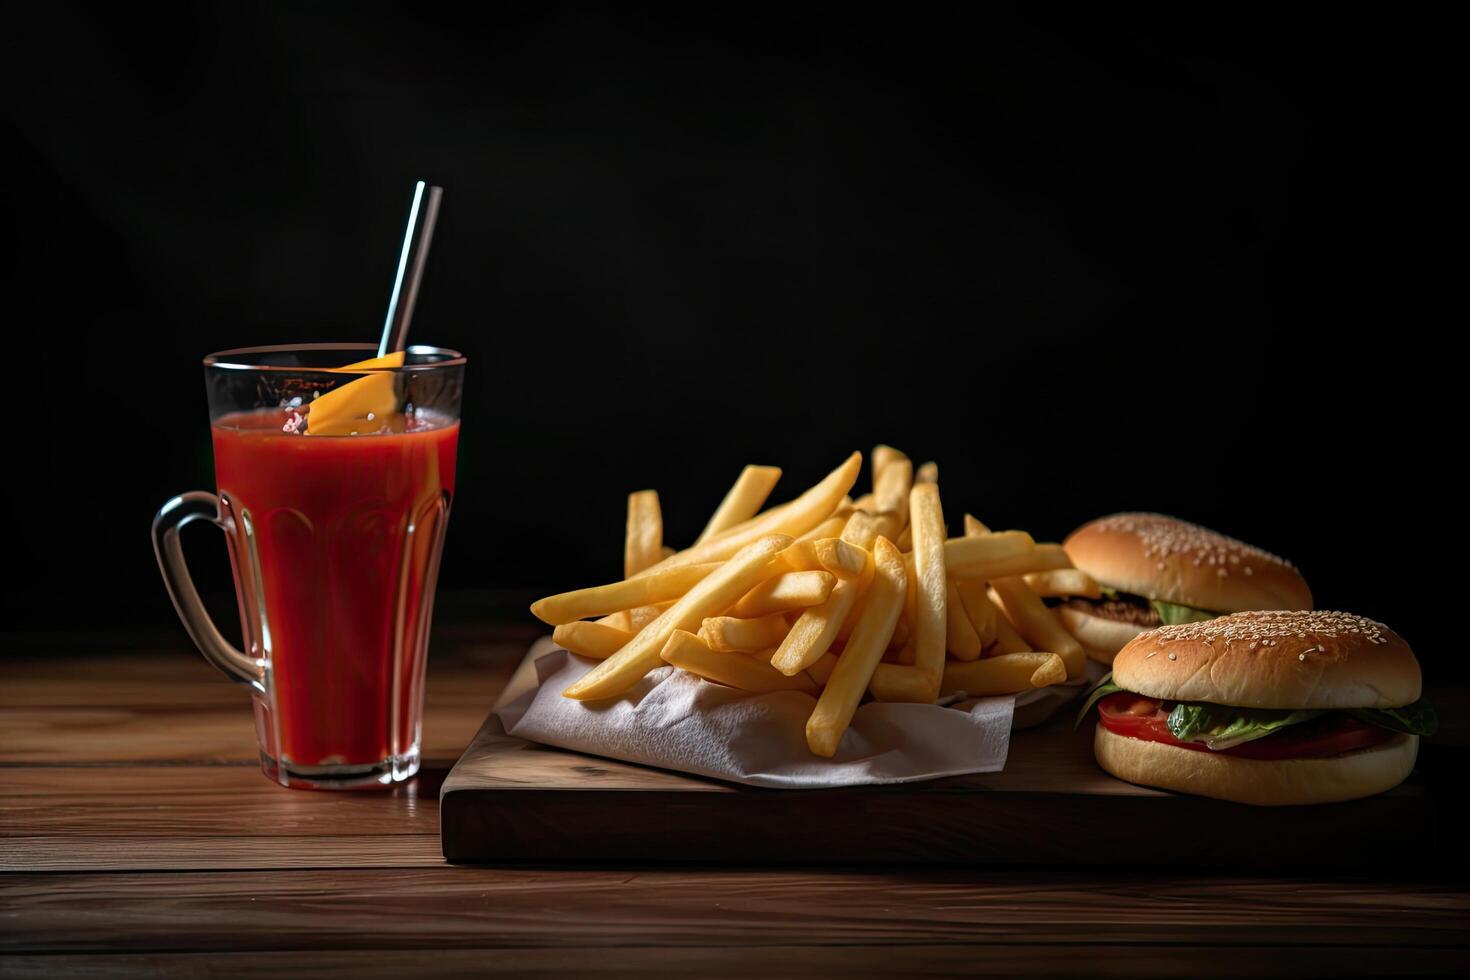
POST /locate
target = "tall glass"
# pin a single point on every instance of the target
(334, 539)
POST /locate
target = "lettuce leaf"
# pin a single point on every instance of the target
(1418, 718)
(1172, 613)
(1100, 690)
(1221, 726)
(1108, 592)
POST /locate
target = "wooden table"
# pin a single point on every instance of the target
(138, 836)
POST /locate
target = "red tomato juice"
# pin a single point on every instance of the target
(335, 543)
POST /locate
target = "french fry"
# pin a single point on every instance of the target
(979, 610)
(1010, 673)
(906, 539)
(903, 636)
(960, 636)
(822, 669)
(791, 590)
(844, 631)
(861, 529)
(600, 600)
(714, 593)
(620, 620)
(1007, 640)
(962, 555)
(665, 552)
(902, 683)
(891, 488)
(864, 528)
(746, 525)
(894, 651)
(865, 503)
(814, 632)
(643, 546)
(1038, 624)
(592, 640)
(830, 528)
(643, 615)
(688, 652)
(928, 473)
(926, 517)
(826, 555)
(742, 501)
(644, 541)
(1060, 583)
(726, 634)
(1075, 661)
(882, 456)
(910, 597)
(792, 519)
(1042, 557)
(861, 656)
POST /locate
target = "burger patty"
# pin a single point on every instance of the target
(1126, 608)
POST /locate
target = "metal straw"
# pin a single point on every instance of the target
(416, 239)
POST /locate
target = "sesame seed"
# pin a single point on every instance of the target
(1271, 628)
(1162, 537)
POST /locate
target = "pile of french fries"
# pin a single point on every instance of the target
(836, 597)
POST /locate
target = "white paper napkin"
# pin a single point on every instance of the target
(674, 720)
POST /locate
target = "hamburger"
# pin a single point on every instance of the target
(1160, 571)
(1269, 708)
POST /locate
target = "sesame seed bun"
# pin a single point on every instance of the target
(1282, 660)
(1100, 637)
(1164, 558)
(1263, 782)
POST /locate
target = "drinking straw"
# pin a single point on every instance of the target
(416, 238)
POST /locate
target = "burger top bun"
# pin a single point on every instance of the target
(1284, 660)
(1164, 558)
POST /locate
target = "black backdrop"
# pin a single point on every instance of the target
(1086, 260)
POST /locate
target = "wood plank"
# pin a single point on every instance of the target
(447, 908)
(363, 890)
(219, 853)
(508, 800)
(182, 734)
(715, 962)
(107, 709)
(166, 671)
(202, 801)
(92, 676)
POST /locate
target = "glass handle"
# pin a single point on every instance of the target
(172, 516)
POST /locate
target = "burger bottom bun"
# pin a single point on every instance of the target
(1101, 638)
(1262, 782)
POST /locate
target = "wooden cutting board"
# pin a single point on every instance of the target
(510, 800)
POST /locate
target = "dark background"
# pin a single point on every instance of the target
(1086, 260)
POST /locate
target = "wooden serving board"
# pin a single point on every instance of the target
(511, 800)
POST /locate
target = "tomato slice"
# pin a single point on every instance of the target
(1136, 716)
